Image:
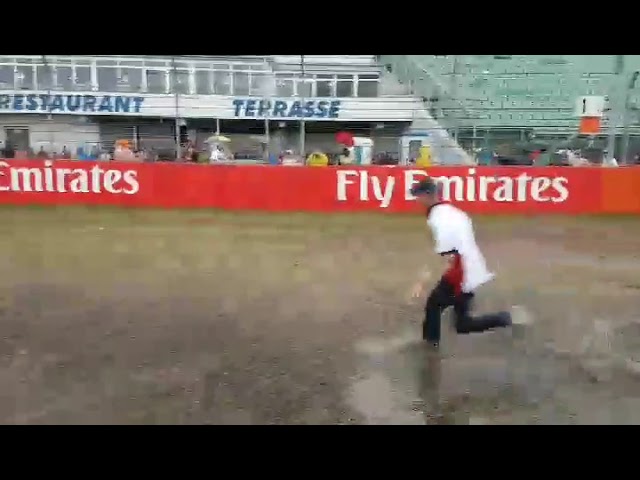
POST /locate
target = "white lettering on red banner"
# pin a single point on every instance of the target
(460, 188)
(49, 178)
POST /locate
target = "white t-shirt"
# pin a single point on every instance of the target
(217, 156)
(453, 232)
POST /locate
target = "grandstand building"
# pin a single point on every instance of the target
(454, 103)
(55, 101)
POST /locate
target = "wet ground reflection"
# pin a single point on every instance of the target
(483, 379)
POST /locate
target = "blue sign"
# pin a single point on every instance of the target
(71, 103)
(251, 108)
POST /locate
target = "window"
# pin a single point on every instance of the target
(107, 79)
(6, 76)
(241, 83)
(156, 81)
(344, 89)
(284, 86)
(368, 86)
(303, 87)
(204, 82)
(130, 79)
(44, 73)
(64, 78)
(83, 78)
(25, 78)
(180, 82)
(344, 86)
(414, 149)
(222, 83)
(324, 86)
(259, 84)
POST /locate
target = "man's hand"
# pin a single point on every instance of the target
(417, 290)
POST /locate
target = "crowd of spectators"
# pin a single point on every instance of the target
(122, 150)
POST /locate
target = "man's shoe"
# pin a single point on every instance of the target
(521, 321)
(520, 316)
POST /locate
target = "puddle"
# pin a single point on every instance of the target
(482, 379)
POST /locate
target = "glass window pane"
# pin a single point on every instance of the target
(44, 77)
(304, 88)
(156, 63)
(102, 62)
(284, 86)
(324, 88)
(25, 78)
(240, 83)
(156, 81)
(344, 89)
(259, 84)
(6, 77)
(222, 83)
(324, 85)
(204, 82)
(107, 79)
(367, 89)
(82, 61)
(64, 78)
(131, 63)
(180, 82)
(130, 80)
(83, 78)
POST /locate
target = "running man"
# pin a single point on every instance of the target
(454, 239)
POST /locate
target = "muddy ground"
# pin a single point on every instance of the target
(148, 317)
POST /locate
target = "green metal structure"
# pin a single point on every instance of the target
(517, 97)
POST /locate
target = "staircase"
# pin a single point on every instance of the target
(445, 149)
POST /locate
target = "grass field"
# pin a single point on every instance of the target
(141, 316)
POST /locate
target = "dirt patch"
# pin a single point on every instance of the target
(142, 316)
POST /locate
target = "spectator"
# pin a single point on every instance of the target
(317, 159)
(95, 153)
(347, 157)
(217, 154)
(486, 156)
(42, 154)
(8, 152)
(606, 162)
(533, 156)
(66, 154)
(123, 152)
(424, 160)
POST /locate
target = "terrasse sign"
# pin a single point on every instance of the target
(266, 108)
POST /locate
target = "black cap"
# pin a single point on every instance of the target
(425, 187)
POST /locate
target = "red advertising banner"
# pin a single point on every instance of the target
(491, 190)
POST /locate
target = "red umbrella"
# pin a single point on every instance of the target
(345, 138)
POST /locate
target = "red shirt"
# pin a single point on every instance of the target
(454, 274)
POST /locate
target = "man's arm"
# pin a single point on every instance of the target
(425, 275)
(446, 262)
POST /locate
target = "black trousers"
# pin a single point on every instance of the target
(442, 297)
